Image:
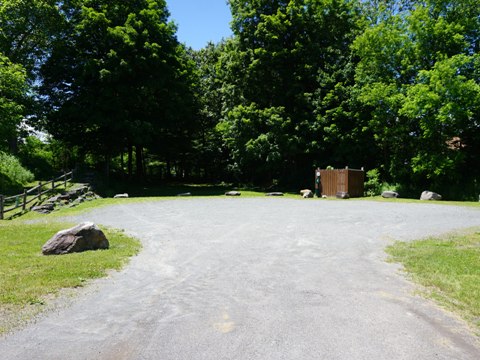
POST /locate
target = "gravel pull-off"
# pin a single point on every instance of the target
(258, 278)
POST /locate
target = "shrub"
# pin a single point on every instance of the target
(373, 185)
(38, 157)
(12, 174)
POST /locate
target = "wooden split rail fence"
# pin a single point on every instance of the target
(22, 200)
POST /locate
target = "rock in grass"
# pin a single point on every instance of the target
(185, 194)
(389, 194)
(306, 193)
(44, 208)
(343, 195)
(121, 196)
(275, 193)
(233, 193)
(430, 195)
(85, 236)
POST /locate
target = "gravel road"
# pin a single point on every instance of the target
(264, 279)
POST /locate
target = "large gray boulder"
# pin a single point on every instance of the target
(85, 236)
(430, 195)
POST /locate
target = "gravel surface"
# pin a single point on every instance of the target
(258, 279)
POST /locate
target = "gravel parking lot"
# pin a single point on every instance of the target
(258, 279)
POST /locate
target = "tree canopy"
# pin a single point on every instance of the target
(392, 85)
(117, 78)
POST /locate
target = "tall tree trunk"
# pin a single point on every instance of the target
(169, 170)
(130, 160)
(139, 161)
(13, 145)
(122, 164)
(107, 167)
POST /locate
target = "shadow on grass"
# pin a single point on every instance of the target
(162, 190)
(176, 189)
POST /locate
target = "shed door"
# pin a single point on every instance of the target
(342, 181)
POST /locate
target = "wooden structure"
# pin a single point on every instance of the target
(346, 180)
(11, 203)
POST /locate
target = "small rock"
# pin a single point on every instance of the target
(185, 194)
(389, 194)
(121, 196)
(342, 195)
(276, 193)
(430, 195)
(233, 193)
(78, 191)
(85, 236)
(324, 197)
(46, 208)
(306, 193)
(54, 199)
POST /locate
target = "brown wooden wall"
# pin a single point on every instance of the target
(342, 180)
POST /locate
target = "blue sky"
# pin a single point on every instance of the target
(200, 21)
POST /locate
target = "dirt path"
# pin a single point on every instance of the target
(257, 279)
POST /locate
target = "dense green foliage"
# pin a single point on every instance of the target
(12, 174)
(392, 85)
(418, 76)
(117, 79)
(13, 89)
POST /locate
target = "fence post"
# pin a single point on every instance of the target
(53, 184)
(1, 207)
(65, 179)
(39, 193)
(24, 205)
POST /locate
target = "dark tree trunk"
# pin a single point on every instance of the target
(139, 162)
(130, 160)
(122, 163)
(169, 170)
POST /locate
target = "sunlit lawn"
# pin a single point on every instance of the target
(449, 268)
(27, 277)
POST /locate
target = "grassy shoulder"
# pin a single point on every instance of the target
(417, 201)
(448, 268)
(28, 278)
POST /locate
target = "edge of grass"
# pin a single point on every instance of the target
(418, 201)
(448, 270)
(30, 282)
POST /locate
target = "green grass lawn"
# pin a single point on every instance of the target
(28, 278)
(448, 268)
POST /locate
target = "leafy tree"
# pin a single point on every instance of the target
(417, 78)
(294, 57)
(256, 139)
(118, 77)
(38, 156)
(12, 174)
(445, 102)
(209, 100)
(28, 28)
(13, 91)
